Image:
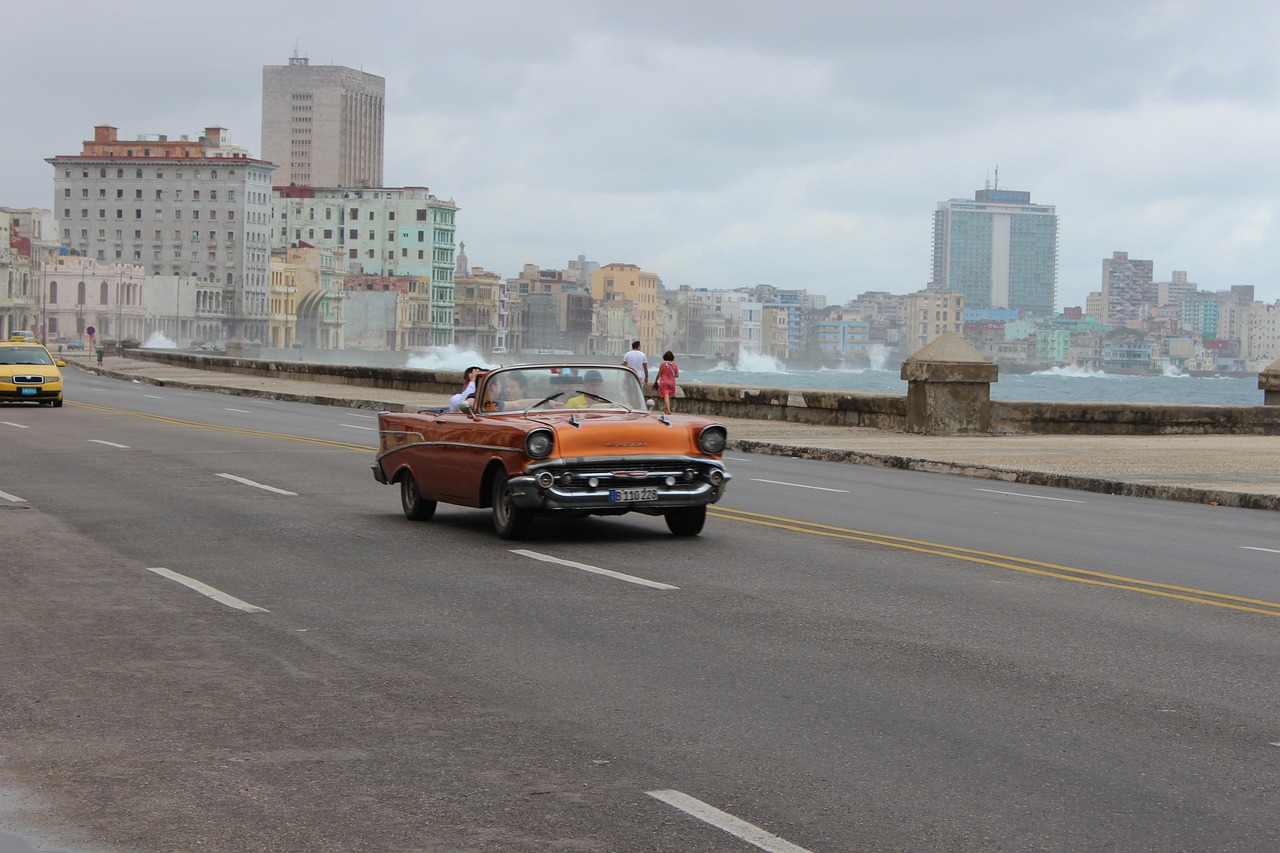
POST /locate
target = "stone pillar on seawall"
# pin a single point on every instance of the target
(1269, 384)
(949, 388)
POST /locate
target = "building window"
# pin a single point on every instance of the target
(102, 294)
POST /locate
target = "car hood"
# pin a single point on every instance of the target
(597, 433)
(48, 371)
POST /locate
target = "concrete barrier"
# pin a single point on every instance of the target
(817, 407)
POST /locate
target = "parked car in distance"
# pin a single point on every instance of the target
(554, 439)
(28, 373)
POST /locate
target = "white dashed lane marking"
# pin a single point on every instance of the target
(596, 570)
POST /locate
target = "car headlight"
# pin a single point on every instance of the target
(538, 444)
(712, 439)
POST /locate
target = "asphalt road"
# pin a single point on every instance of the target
(848, 658)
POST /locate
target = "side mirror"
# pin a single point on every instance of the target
(650, 403)
(60, 363)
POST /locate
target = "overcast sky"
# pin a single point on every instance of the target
(721, 144)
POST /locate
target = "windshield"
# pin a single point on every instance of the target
(24, 355)
(568, 386)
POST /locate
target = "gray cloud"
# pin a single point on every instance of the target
(726, 143)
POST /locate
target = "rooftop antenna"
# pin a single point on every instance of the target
(997, 185)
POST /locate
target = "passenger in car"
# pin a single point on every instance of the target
(592, 383)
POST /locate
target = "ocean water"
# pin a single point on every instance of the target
(1065, 384)
(1058, 384)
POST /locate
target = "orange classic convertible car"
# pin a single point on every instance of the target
(554, 439)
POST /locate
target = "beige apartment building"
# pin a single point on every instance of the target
(614, 283)
(323, 124)
(477, 307)
(930, 314)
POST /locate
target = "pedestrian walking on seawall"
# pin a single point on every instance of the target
(665, 384)
(638, 362)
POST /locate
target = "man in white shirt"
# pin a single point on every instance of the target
(639, 364)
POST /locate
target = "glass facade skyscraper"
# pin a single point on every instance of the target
(999, 250)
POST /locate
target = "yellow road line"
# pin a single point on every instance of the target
(1018, 564)
(196, 424)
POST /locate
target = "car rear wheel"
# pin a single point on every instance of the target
(416, 507)
(687, 520)
(509, 520)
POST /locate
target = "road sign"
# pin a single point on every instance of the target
(90, 330)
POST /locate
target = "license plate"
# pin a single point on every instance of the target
(628, 495)
(30, 392)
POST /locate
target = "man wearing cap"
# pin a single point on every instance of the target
(592, 383)
(468, 389)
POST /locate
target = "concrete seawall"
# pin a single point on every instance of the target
(816, 407)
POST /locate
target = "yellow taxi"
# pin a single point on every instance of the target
(28, 373)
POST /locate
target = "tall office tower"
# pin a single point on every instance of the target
(999, 251)
(322, 124)
(1128, 290)
(200, 208)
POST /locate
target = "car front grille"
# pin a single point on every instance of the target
(593, 476)
(27, 379)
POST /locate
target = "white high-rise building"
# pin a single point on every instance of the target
(197, 207)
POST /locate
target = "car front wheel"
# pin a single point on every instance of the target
(509, 520)
(687, 520)
(416, 507)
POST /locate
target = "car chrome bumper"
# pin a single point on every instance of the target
(527, 494)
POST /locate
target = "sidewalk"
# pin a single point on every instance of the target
(1226, 470)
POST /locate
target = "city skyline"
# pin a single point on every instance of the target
(805, 151)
